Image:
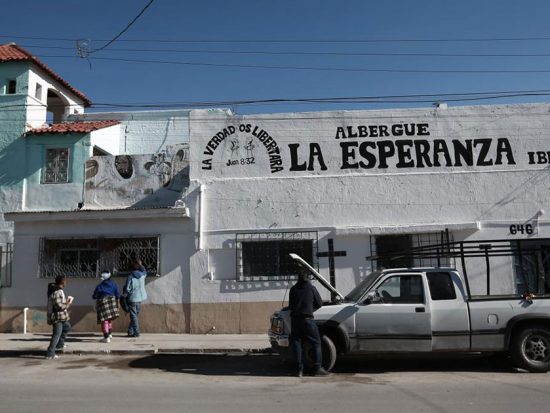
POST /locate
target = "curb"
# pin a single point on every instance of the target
(108, 352)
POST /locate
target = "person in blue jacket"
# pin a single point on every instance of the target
(106, 295)
(135, 290)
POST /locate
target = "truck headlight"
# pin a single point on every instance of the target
(277, 325)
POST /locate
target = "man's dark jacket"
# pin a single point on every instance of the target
(304, 299)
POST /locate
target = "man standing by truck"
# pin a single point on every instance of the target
(304, 299)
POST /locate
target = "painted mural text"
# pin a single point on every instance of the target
(271, 146)
(408, 153)
(375, 131)
(539, 157)
(416, 153)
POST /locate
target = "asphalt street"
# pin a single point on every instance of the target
(259, 382)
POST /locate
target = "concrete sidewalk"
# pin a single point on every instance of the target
(89, 343)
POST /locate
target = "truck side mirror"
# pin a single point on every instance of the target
(373, 297)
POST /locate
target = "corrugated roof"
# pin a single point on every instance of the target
(73, 127)
(14, 53)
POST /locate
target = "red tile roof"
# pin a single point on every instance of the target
(73, 127)
(14, 53)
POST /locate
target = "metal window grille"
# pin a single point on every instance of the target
(87, 257)
(265, 256)
(415, 241)
(56, 169)
(6, 268)
(532, 267)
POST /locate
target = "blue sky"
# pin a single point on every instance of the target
(336, 49)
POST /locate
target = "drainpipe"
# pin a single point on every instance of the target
(201, 216)
(25, 311)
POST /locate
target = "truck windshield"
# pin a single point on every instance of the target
(362, 287)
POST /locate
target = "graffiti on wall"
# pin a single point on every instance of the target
(125, 180)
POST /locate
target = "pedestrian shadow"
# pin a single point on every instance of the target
(45, 337)
(254, 365)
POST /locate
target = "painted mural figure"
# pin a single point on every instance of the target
(249, 148)
(234, 148)
(123, 165)
(106, 295)
(161, 167)
(177, 173)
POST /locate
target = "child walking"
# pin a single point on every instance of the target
(106, 295)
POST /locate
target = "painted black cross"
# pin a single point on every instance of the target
(331, 254)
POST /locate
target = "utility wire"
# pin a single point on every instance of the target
(125, 29)
(419, 40)
(333, 69)
(300, 53)
(411, 98)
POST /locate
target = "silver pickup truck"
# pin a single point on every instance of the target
(423, 310)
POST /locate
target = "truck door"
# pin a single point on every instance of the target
(450, 322)
(400, 321)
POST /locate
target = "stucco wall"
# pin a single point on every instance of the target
(170, 290)
(37, 108)
(12, 121)
(59, 196)
(107, 139)
(349, 175)
(146, 132)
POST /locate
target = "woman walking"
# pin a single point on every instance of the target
(106, 295)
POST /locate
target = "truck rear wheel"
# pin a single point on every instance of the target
(530, 349)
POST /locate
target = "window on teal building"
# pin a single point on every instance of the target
(12, 86)
(56, 168)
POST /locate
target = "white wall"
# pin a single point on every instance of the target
(265, 173)
(107, 139)
(176, 240)
(36, 112)
(146, 132)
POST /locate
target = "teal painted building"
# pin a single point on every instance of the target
(41, 158)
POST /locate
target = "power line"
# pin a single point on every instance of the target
(305, 53)
(410, 98)
(125, 29)
(313, 68)
(383, 40)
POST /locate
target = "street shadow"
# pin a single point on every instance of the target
(215, 365)
(374, 364)
(263, 365)
(45, 337)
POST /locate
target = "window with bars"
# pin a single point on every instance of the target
(56, 168)
(533, 267)
(87, 257)
(265, 256)
(390, 244)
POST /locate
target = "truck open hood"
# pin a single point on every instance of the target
(303, 264)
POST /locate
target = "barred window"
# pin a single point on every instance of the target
(533, 266)
(87, 257)
(265, 256)
(56, 169)
(386, 245)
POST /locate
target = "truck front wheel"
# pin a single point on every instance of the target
(328, 350)
(530, 349)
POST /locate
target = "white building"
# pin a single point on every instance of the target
(336, 187)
